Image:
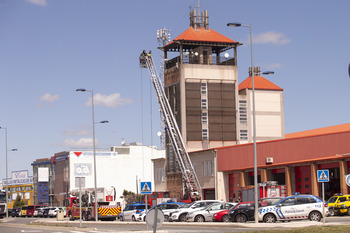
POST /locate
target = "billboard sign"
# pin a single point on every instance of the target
(43, 174)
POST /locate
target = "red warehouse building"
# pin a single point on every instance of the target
(292, 161)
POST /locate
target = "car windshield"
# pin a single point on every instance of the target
(185, 206)
(141, 207)
(244, 205)
(332, 199)
(268, 201)
(215, 206)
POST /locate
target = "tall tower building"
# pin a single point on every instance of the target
(269, 110)
(200, 80)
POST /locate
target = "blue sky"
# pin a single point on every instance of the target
(49, 48)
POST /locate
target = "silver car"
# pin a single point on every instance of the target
(206, 214)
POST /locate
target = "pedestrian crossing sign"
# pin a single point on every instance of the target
(146, 187)
(323, 175)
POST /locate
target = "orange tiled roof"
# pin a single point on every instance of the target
(201, 34)
(259, 83)
(320, 131)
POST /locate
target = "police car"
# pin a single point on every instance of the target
(133, 211)
(292, 208)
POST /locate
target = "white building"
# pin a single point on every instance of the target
(123, 167)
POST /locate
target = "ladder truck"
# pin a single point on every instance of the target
(190, 179)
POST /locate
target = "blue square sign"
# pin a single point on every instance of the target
(323, 175)
(146, 187)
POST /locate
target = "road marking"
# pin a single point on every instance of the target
(31, 231)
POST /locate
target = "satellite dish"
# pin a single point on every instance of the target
(226, 55)
(159, 133)
(196, 53)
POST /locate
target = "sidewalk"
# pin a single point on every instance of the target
(292, 224)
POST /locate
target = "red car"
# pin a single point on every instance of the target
(222, 216)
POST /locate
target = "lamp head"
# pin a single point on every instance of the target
(268, 72)
(234, 24)
(81, 89)
(102, 122)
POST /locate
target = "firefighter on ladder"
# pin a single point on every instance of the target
(143, 59)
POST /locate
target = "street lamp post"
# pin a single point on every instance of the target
(94, 145)
(254, 121)
(7, 187)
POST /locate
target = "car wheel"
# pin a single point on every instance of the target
(241, 218)
(348, 211)
(225, 218)
(199, 218)
(182, 218)
(331, 211)
(166, 218)
(315, 216)
(269, 218)
(133, 218)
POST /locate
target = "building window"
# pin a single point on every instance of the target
(161, 174)
(212, 168)
(204, 168)
(243, 134)
(243, 112)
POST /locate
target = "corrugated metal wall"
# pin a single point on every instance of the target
(283, 151)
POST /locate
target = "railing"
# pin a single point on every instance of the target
(195, 60)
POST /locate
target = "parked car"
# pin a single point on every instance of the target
(15, 212)
(46, 212)
(294, 207)
(246, 211)
(180, 214)
(35, 212)
(206, 214)
(222, 216)
(31, 210)
(133, 211)
(40, 212)
(166, 207)
(53, 211)
(335, 199)
(23, 211)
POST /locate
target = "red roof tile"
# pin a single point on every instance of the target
(259, 83)
(320, 131)
(201, 34)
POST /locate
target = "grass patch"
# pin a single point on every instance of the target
(313, 229)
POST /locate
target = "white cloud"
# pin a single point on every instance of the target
(111, 101)
(80, 143)
(38, 2)
(271, 38)
(47, 97)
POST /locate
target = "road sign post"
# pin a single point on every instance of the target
(323, 176)
(81, 184)
(146, 188)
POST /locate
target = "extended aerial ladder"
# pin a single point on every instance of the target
(189, 176)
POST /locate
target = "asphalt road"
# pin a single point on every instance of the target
(23, 225)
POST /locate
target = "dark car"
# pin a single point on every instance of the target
(15, 212)
(46, 212)
(245, 211)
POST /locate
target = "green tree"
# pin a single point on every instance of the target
(129, 196)
(19, 202)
